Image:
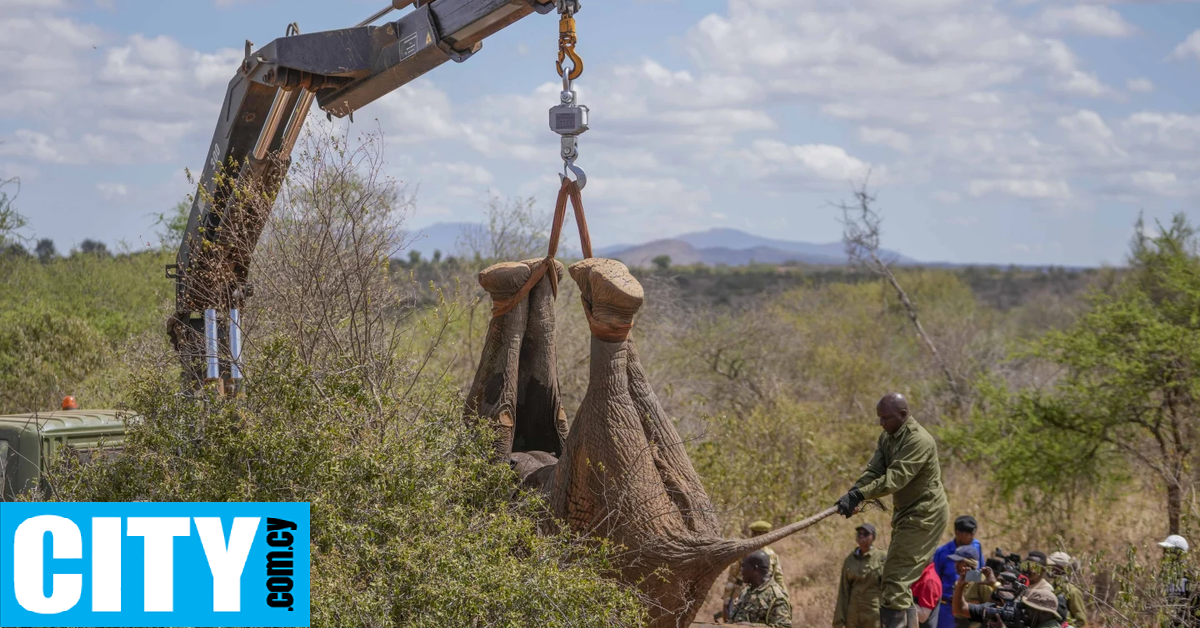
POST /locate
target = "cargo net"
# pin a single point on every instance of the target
(621, 472)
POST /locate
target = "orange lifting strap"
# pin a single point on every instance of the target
(569, 191)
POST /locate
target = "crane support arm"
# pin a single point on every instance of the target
(265, 106)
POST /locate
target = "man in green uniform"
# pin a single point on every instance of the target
(764, 601)
(905, 465)
(858, 591)
(1060, 564)
(733, 581)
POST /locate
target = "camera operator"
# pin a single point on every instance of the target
(979, 585)
(1037, 608)
(1036, 569)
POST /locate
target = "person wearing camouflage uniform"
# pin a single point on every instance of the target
(764, 602)
(905, 465)
(1060, 564)
(858, 590)
(733, 581)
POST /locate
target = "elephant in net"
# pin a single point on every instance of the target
(621, 471)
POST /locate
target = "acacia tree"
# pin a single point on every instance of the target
(1131, 366)
(861, 231)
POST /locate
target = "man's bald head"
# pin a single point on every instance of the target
(893, 401)
(892, 411)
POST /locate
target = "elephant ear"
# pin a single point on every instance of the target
(515, 389)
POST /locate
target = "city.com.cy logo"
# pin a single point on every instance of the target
(154, 564)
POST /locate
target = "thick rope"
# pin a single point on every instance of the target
(607, 332)
(568, 191)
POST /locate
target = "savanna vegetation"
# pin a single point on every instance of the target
(1066, 402)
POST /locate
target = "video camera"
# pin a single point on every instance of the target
(1012, 562)
(1010, 614)
(1005, 604)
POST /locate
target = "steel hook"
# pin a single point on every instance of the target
(580, 175)
(577, 64)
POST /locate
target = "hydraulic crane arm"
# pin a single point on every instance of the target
(264, 110)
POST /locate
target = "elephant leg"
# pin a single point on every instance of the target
(607, 480)
(624, 474)
(678, 475)
(493, 393)
(541, 421)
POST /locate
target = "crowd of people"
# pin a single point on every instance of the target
(917, 583)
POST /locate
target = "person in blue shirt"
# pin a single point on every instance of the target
(964, 534)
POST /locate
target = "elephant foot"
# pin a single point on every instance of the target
(504, 280)
(611, 296)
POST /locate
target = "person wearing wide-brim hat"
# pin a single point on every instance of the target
(860, 585)
(1041, 609)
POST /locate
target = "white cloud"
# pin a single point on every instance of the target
(1164, 131)
(1087, 129)
(807, 161)
(1098, 21)
(657, 201)
(945, 196)
(112, 191)
(1190, 47)
(1142, 85)
(417, 112)
(663, 77)
(886, 137)
(1081, 84)
(34, 145)
(462, 172)
(110, 100)
(1034, 189)
(1161, 183)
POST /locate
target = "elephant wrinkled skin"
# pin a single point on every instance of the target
(621, 472)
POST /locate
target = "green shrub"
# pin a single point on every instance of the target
(43, 356)
(412, 523)
(779, 462)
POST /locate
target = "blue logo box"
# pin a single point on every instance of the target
(154, 564)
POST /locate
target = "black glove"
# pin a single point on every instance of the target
(849, 503)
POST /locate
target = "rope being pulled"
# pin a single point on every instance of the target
(568, 192)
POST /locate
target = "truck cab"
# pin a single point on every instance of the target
(29, 441)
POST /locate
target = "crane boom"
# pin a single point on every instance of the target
(265, 107)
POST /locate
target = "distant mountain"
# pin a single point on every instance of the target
(731, 247)
(715, 247)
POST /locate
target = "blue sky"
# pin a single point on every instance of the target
(1028, 131)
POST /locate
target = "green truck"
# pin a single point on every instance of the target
(28, 441)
